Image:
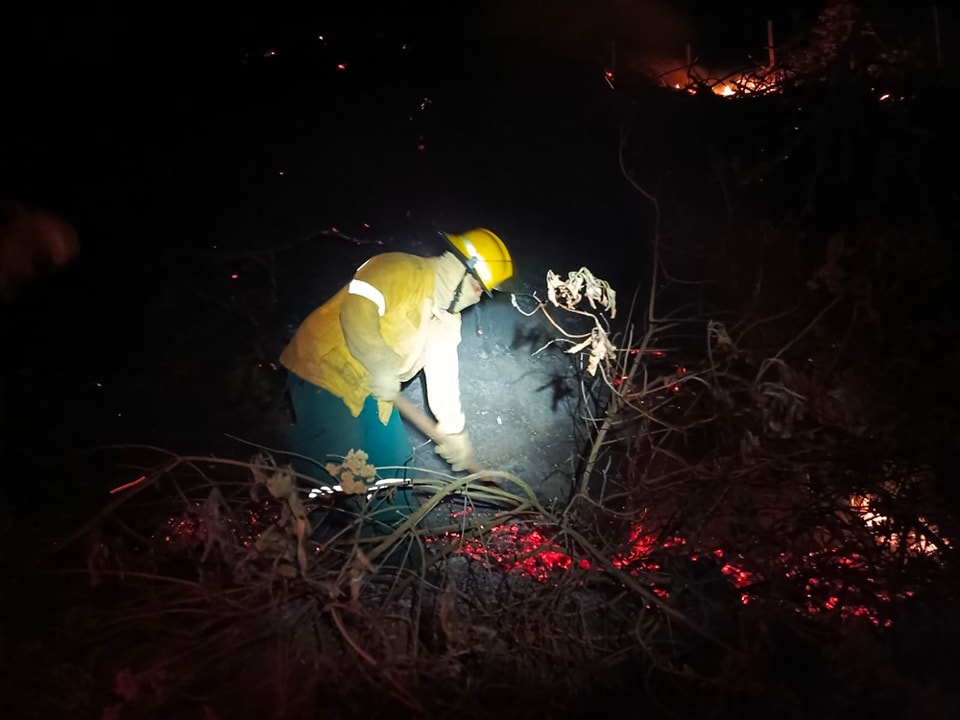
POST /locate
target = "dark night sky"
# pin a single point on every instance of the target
(81, 75)
(97, 34)
(66, 39)
(64, 62)
(69, 66)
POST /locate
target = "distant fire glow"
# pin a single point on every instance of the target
(726, 83)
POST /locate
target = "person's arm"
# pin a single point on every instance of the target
(442, 370)
(360, 321)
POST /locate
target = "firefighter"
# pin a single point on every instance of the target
(398, 316)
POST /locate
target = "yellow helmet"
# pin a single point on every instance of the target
(485, 255)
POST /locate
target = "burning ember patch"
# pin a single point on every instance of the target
(848, 579)
(514, 549)
(821, 582)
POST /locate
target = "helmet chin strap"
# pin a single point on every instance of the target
(457, 293)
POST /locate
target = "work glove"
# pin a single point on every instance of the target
(384, 385)
(455, 449)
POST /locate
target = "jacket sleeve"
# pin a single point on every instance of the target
(441, 367)
(360, 322)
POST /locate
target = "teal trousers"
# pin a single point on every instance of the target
(325, 431)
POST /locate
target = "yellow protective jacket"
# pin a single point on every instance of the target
(420, 335)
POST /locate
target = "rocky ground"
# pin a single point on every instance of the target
(520, 403)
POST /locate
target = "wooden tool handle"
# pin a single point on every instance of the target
(418, 418)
